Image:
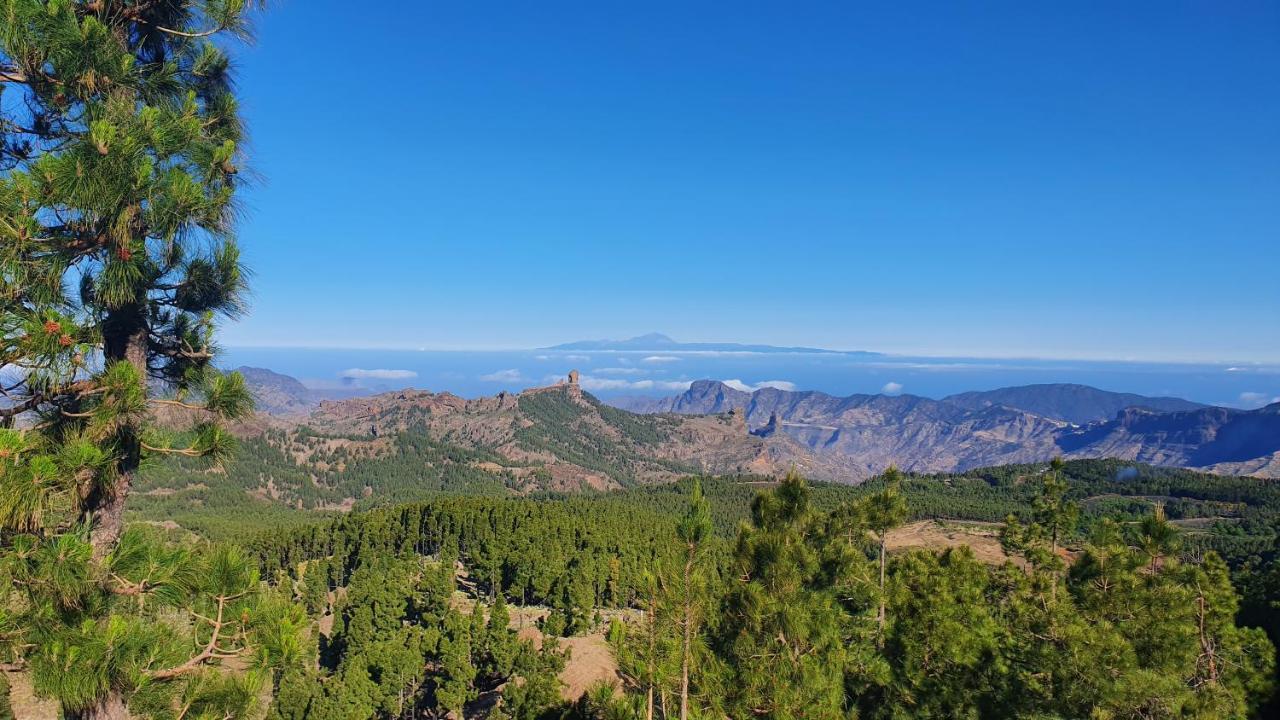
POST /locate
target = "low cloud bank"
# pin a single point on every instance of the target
(775, 384)
(512, 375)
(379, 374)
(598, 384)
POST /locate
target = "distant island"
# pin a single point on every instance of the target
(653, 342)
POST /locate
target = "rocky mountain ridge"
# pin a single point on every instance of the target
(556, 438)
(861, 433)
(564, 438)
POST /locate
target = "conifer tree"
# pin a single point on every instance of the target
(780, 634)
(501, 644)
(1157, 537)
(118, 171)
(885, 510)
(693, 531)
(120, 157)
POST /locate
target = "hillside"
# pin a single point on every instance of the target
(1079, 404)
(849, 438)
(279, 394)
(561, 431)
(408, 444)
(1217, 438)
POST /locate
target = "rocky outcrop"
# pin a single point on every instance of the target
(854, 437)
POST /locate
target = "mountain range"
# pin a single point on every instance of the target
(561, 437)
(657, 342)
(852, 437)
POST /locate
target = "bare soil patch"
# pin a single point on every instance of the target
(934, 535)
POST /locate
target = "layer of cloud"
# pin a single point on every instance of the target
(578, 358)
(891, 388)
(776, 384)
(379, 374)
(598, 384)
(619, 371)
(661, 359)
(511, 375)
(1256, 399)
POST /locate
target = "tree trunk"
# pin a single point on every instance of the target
(687, 622)
(653, 641)
(124, 338)
(880, 615)
(111, 707)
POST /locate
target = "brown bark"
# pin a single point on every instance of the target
(110, 707)
(124, 336)
(880, 615)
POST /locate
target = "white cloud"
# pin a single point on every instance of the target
(661, 359)
(541, 357)
(596, 384)
(511, 375)
(891, 388)
(578, 358)
(379, 374)
(1256, 399)
(777, 384)
(619, 371)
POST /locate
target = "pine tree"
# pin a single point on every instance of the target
(884, 511)
(120, 157)
(1056, 514)
(501, 643)
(145, 626)
(781, 634)
(120, 166)
(693, 531)
(1157, 537)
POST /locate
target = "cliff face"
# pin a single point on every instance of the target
(853, 437)
(1202, 438)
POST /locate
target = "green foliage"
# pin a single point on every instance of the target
(120, 152)
(1126, 637)
(400, 648)
(559, 426)
(150, 622)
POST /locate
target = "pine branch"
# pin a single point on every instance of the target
(179, 403)
(12, 75)
(30, 403)
(210, 651)
(186, 452)
(199, 34)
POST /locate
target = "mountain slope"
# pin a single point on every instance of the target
(557, 437)
(1079, 404)
(849, 438)
(1208, 437)
(278, 394)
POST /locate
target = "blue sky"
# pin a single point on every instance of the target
(1091, 179)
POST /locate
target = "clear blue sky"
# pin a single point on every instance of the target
(1086, 179)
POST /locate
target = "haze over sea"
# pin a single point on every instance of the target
(619, 373)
